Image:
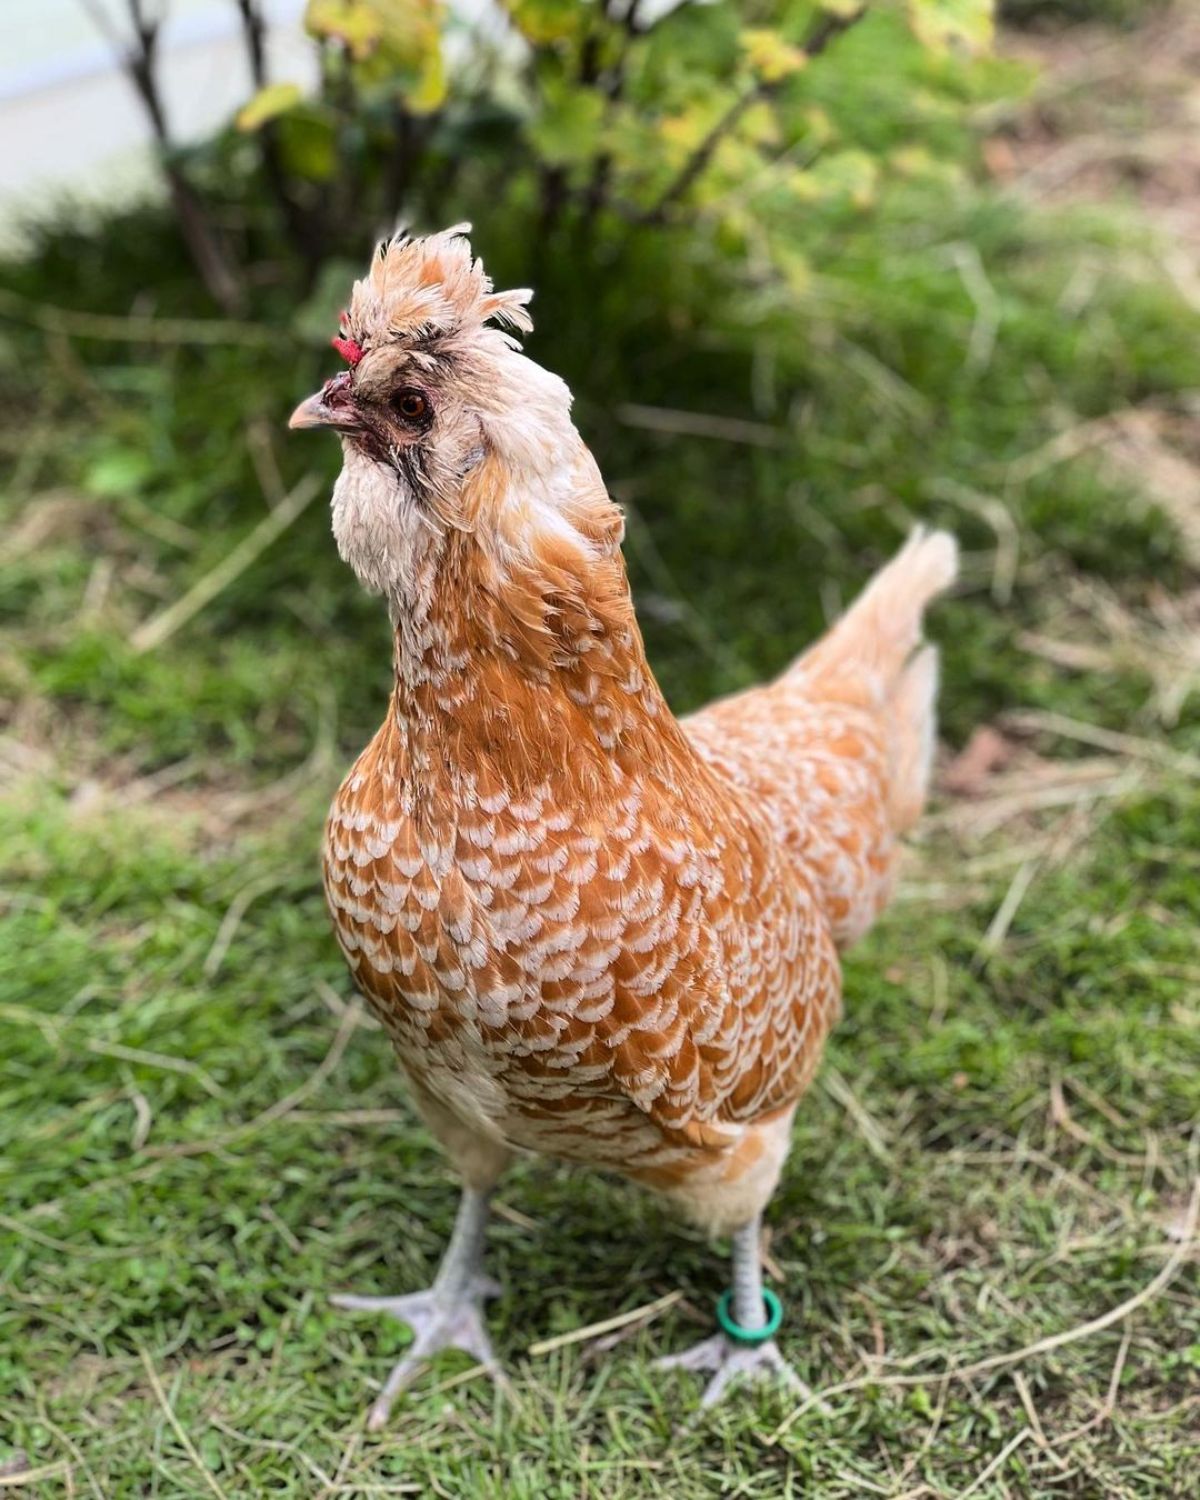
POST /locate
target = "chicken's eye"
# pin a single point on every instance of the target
(412, 405)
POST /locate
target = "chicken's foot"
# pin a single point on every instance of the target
(730, 1360)
(448, 1315)
(749, 1317)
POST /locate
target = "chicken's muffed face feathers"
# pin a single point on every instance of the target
(447, 425)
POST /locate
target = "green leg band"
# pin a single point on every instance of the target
(751, 1336)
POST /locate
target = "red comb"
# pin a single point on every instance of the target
(348, 349)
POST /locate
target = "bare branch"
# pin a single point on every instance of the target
(138, 56)
(254, 29)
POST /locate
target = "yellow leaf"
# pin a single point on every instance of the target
(357, 24)
(395, 45)
(404, 29)
(849, 176)
(772, 58)
(685, 129)
(542, 21)
(796, 269)
(760, 124)
(268, 104)
(948, 25)
(820, 127)
(912, 161)
(429, 92)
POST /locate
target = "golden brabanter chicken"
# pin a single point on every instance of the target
(592, 930)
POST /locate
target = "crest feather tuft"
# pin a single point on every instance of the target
(425, 289)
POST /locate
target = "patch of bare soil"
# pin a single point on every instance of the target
(1114, 117)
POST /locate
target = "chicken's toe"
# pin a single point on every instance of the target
(730, 1361)
(438, 1322)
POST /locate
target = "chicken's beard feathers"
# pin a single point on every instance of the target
(383, 525)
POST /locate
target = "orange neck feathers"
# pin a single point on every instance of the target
(526, 668)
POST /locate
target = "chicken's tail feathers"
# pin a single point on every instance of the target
(913, 715)
(873, 641)
(876, 651)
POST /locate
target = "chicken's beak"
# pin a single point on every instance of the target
(331, 406)
(312, 412)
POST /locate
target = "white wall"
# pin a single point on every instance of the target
(69, 119)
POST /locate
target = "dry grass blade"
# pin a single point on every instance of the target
(156, 1060)
(837, 1088)
(513, 1215)
(210, 1479)
(134, 330)
(351, 1117)
(363, 1490)
(644, 1314)
(998, 1462)
(1025, 1395)
(233, 917)
(19, 1477)
(1161, 473)
(464, 1377)
(997, 931)
(64, 1247)
(996, 515)
(967, 262)
(1132, 745)
(281, 1107)
(273, 1444)
(700, 424)
(1071, 785)
(1133, 444)
(162, 626)
(1061, 1116)
(1065, 445)
(1093, 630)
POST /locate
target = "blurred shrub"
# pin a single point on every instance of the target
(584, 125)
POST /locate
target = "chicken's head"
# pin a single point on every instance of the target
(444, 423)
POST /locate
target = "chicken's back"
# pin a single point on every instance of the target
(838, 749)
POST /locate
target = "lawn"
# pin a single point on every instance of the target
(987, 1234)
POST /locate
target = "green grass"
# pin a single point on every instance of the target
(171, 1232)
(150, 1215)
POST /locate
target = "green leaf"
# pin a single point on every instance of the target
(568, 128)
(117, 472)
(268, 104)
(306, 139)
(953, 25)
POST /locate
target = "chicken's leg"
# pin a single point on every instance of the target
(449, 1315)
(746, 1346)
